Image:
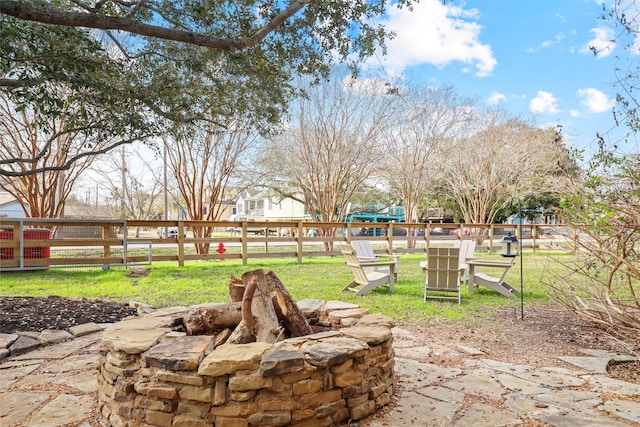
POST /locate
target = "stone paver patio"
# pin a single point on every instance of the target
(55, 386)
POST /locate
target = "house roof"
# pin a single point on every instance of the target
(251, 194)
(6, 198)
(87, 211)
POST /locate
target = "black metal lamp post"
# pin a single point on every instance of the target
(520, 219)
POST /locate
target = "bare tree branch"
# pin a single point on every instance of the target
(69, 162)
(480, 172)
(335, 148)
(42, 182)
(203, 160)
(429, 119)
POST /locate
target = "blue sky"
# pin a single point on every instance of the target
(530, 56)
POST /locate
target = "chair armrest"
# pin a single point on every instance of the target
(379, 257)
(395, 258)
(367, 258)
(487, 263)
(376, 263)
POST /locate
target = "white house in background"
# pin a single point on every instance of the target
(249, 203)
(284, 209)
(261, 205)
(10, 207)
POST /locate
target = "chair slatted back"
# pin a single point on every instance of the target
(443, 269)
(467, 249)
(363, 248)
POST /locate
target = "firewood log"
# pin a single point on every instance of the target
(286, 308)
(213, 318)
(259, 319)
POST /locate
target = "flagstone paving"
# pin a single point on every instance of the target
(54, 386)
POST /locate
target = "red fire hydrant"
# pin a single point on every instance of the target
(221, 249)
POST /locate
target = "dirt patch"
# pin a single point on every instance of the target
(138, 272)
(547, 332)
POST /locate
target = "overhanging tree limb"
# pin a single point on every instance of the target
(12, 83)
(49, 15)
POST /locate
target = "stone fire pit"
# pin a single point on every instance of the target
(153, 374)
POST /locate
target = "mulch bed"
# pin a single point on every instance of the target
(20, 314)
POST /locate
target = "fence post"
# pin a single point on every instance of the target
(106, 235)
(125, 236)
(181, 243)
(243, 242)
(534, 231)
(299, 242)
(427, 236)
(390, 237)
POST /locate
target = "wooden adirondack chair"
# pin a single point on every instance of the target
(364, 280)
(364, 252)
(442, 273)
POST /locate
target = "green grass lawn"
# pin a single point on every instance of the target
(316, 278)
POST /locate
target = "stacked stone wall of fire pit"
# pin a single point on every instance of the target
(152, 375)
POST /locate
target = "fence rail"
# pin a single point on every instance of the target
(43, 243)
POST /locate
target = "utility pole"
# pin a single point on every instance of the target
(124, 184)
(59, 193)
(164, 160)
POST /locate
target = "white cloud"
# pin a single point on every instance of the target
(496, 98)
(574, 113)
(558, 39)
(368, 86)
(595, 100)
(603, 42)
(437, 34)
(544, 102)
(547, 43)
(635, 46)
